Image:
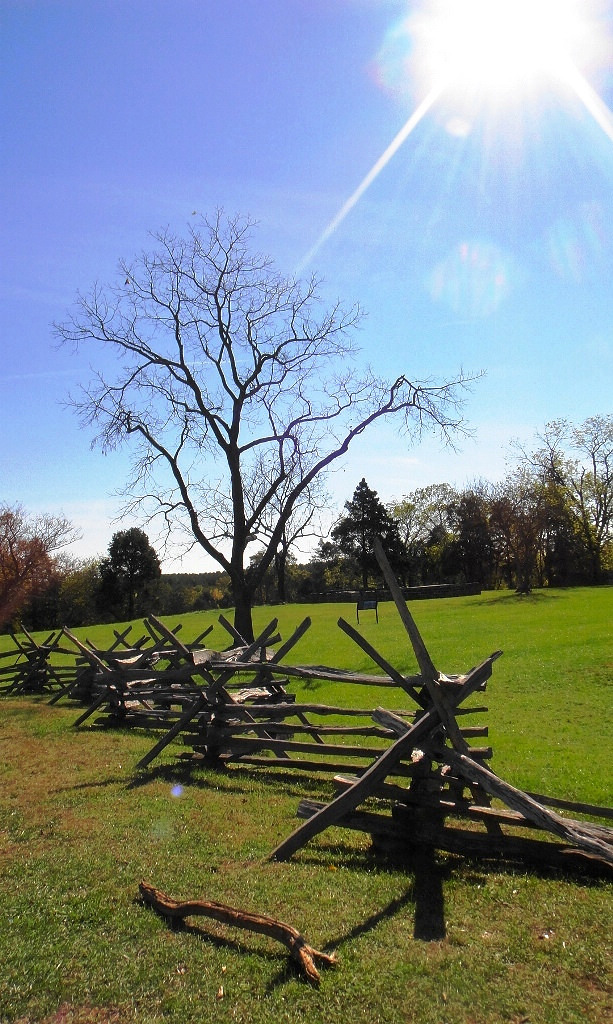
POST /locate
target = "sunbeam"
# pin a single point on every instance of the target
(592, 102)
(409, 125)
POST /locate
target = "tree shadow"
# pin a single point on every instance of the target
(512, 597)
(235, 778)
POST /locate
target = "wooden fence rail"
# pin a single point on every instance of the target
(412, 778)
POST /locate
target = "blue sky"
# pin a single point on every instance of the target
(485, 242)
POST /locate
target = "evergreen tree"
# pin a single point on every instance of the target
(366, 519)
(127, 575)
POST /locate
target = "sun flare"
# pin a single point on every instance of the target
(498, 46)
(481, 53)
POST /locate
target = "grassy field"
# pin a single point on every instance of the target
(79, 828)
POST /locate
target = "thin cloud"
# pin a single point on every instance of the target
(41, 375)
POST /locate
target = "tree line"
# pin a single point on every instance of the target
(547, 523)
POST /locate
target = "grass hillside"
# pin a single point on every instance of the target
(79, 828)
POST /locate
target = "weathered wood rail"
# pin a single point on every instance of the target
(449, 781)
(411, 778)
(34, 667)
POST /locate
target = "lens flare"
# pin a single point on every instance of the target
(471, 51)
(373, 173)
(592, 102)
(575, 243)
(472, 280)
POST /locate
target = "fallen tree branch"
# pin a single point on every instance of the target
(299, 949)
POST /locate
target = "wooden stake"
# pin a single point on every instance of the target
(426, 665)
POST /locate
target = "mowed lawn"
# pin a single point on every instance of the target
(80, 828)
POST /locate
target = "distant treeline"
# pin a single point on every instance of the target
(78, 599)
(548, 523)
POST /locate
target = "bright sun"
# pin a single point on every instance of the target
(502, 46)
(483, 49)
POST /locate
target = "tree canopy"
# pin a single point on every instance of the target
(30, 561)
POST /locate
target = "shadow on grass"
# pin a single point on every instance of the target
(112, 780)
(425, 891)
(429, 872)
(579, 868)
(235, 779)
(289, 970)
(209, 935)
(584, 871)
(508, 597)
(364, 927)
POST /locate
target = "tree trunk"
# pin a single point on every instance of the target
(280, 561)
(243, 622)
(596, 564)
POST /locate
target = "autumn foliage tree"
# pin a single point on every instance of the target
(30, 549)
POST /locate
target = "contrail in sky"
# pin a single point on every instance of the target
(373, 173)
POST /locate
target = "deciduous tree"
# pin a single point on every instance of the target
(232, 381)
(575, 464)
(30, 549)
(518, 519)
(422, 516)
(470, 517)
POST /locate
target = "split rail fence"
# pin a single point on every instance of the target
(410, 778)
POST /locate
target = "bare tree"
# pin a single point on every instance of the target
(232, 380)
(303, 523)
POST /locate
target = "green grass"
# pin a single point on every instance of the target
(79, 829)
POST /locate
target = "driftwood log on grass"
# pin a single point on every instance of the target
(304, 955)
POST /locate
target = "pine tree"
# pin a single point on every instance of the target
(366, 519)
(127, 575)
